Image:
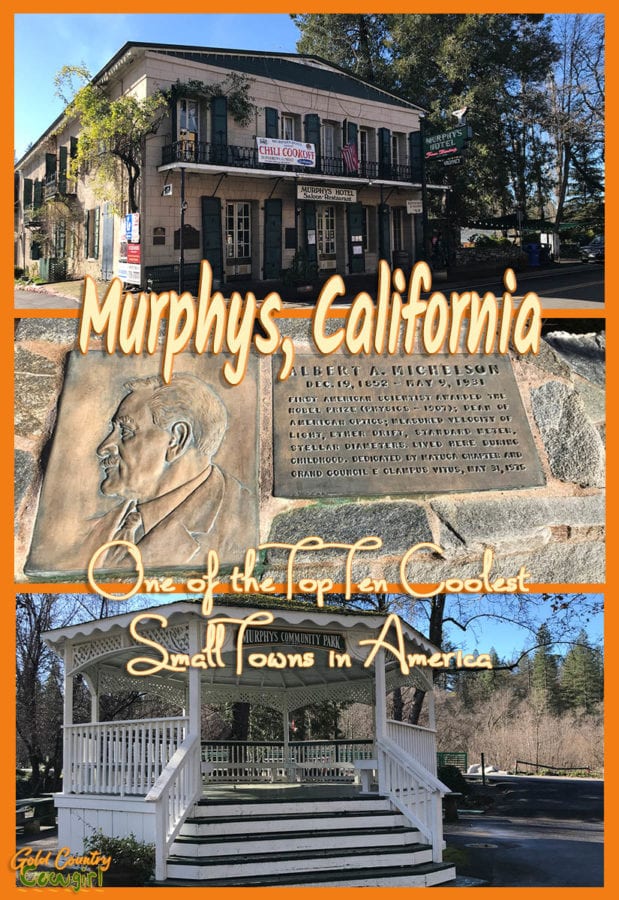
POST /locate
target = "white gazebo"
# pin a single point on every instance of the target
(165, 781)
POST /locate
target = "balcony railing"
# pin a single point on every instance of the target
(57, 186)
(232, 156)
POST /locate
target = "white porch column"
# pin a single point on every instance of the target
(380, 710)
(92, 683)
(67, 717)
(193, 676)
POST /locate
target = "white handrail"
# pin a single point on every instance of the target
(174, 793)
(414, 790)
(415, 741)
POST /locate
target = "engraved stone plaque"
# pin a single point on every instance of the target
(171, 468)
(351, 426)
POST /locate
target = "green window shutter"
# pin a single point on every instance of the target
(356, 220)
(271, 122)
(350, 133)
(272, 238)
(50, 164)
(73, 148)
(309, 214)
(219, 120)
(312, 134)
(27, 191)
(415, 156)
(211, 234)
(62, 170)
(384, 153)
(37, 193)
(95, 233)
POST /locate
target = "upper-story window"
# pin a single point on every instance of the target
(188, 119)
(328, 140)
(288, 128)
(364, 146)
(398, 155)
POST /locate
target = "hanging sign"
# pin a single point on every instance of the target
(326, 194)
(285, 153)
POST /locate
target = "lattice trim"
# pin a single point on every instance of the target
(94, 648)
(111, 682)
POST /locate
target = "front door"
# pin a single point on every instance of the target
(325, 228)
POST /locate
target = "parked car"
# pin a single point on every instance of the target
(594, 250)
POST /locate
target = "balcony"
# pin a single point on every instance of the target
(57, 186)
(228, 156)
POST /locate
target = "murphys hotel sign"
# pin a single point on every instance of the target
(286, 153)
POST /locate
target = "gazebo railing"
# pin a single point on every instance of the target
(119, 757)
(415, 741)
(265, 761)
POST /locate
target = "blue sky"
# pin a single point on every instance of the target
(44, 43)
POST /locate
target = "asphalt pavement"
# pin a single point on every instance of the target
(536, 832)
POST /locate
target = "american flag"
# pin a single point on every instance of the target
(349, 155)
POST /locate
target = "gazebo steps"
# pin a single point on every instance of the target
(423, 875)
(332, 821)
(340, 841)
(205, 848)
(299, 862)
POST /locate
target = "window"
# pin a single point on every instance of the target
(328, 140)
(91, 250)
(238, 230)
(363, 147)
(188, 119)
(395, 150)
(288, 128)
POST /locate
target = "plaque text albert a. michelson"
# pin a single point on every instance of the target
(354, 426)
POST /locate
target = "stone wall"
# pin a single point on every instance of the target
(556, 531)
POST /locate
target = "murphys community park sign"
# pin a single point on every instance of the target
(447, 144)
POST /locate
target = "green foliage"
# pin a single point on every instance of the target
(453, 778)
(137, 857)
(582, 675)
(301, 271)
(112, 133)
(235, 87)
(358, 43)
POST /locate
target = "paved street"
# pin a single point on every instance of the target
(539, 832)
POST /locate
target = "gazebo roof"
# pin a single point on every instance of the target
(101, 649)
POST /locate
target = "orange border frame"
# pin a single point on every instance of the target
(10, 588)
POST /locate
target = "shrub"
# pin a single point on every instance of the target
(129, 855)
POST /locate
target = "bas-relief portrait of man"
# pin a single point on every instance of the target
(171, 468)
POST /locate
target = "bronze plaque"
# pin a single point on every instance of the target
(172, 469)
(349, 426)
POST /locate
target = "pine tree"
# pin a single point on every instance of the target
(545, 689)
(582, 675)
